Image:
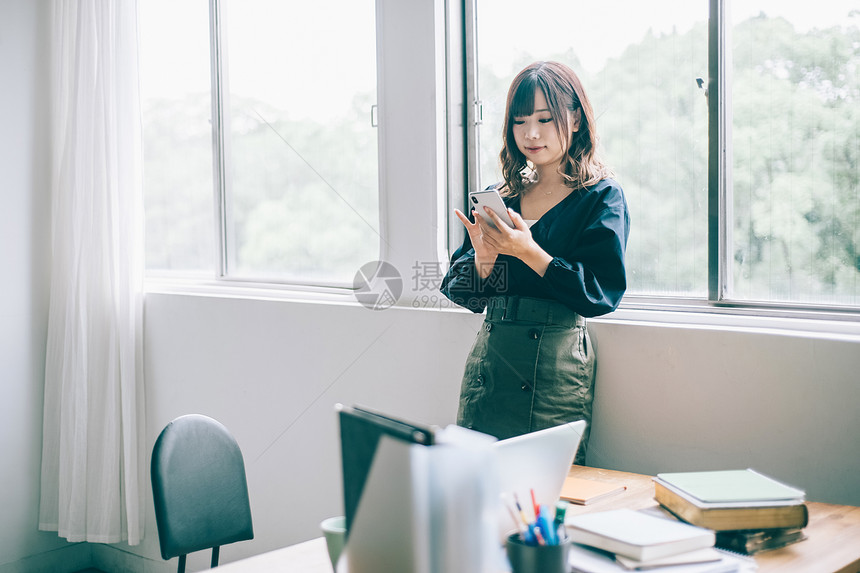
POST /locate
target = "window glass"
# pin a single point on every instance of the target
(176, 111)
(638, 62)
(301, 148)
(796, 151)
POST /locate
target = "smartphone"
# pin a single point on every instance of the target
(490, 198)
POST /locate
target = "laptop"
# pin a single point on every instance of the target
(539, 461)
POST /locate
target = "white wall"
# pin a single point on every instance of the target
(669, 397)
(683, 398)
(24, 272)
(275, 385)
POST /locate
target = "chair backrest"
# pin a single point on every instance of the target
(199, 487)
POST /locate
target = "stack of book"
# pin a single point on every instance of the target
(749, 512)
(623, 540)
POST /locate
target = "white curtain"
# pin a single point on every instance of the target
(93, 440)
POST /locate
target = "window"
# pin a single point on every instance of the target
(787, 199)
(291, 191)
(640, 72)
(288, 192)
(795, 153)
(176, 105)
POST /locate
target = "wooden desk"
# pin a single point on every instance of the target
(833, 543)
(308, 557)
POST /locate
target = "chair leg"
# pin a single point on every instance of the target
(181, 564)
(216, 552)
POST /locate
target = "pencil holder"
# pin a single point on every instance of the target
(527, 558)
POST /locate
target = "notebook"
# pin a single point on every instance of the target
(636, 534)
(731, 488)
(583, 559)
(583, 491)
(538, 460)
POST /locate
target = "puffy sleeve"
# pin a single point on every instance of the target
(463, 285)
(590, 276)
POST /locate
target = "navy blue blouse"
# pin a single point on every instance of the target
(585, 233)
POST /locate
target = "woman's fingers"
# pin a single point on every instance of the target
(474, 229)
(492, 216)
(462, 217)
(490, 241)
(519, 224)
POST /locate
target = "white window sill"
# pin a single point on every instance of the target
(839, 326)
(790, 322)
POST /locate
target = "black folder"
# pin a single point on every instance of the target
(360, 432)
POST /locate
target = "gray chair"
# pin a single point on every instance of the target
(199, 488)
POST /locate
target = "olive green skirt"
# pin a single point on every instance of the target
(531, 367)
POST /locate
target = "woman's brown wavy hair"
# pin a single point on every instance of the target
(580, 167)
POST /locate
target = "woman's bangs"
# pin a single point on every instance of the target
(523, 102)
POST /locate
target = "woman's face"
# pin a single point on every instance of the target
(536, 135)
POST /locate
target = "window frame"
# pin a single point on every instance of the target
(220, 86)
(418, 165)
(219, 143)
(720, 189)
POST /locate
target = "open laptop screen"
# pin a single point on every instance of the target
(539, 462)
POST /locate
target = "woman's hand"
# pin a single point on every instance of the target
(516, 242)
(485, 256)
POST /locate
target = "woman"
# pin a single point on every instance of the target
(532, 365)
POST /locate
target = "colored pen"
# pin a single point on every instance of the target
(558, 522)
(520, 525)
(535, 505)
(548, 531)
(520, 509)
(528, 536)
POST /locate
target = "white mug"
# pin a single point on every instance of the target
(334, 530)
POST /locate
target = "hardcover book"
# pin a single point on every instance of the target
(751, 542)
(733, 500)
